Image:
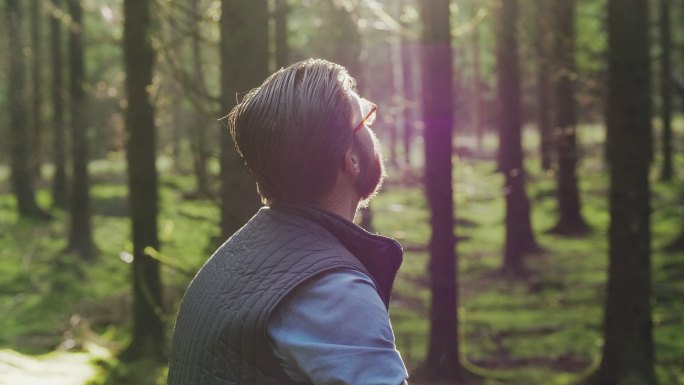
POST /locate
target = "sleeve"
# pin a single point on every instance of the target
(334, 330)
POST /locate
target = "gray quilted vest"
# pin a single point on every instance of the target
(220, 334)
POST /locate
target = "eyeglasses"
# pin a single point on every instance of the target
(370, 111)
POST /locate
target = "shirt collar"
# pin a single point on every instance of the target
(380, 255)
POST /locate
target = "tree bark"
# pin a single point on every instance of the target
(395, 87)
(478, 117)
(22, 181)
(541, 42)
(367, 219)
(570, 220)
(666, 171)
(139, 56)
(59, 181)
(198, 132)
(519, 236)
(36, 85)
(437, 74)
(244, 34)
(407, 53)
(80, 232)
(628, 351)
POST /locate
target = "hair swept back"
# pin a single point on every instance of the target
(293, 130)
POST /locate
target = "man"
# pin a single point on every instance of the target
(300, 293)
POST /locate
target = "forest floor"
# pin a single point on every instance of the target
(64, 320)
(57, 368)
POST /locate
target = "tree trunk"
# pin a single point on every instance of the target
(442, 359)
(22, 182)
(345, 40)
(665, 88)
(394, 88)
(36, 83)
(59, 181)
(628, 351)
(244, 34)
(148, 330)
(409, 97)
(367, 219)
(80, 232)
(282, 50)
(541, 42)
(199, 134)
(478, 118)
(519, 236)
(570, 220)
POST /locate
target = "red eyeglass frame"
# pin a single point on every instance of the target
(373, 110)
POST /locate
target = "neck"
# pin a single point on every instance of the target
(343, 205)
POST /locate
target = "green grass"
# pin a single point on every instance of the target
(544, 329)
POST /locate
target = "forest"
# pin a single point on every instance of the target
(534, 152)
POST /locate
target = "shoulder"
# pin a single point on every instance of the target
(350, 280)
(338, 297)
(335, 329)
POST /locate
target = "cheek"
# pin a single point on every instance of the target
(374, 143)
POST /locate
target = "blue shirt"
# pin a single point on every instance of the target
(335, 330)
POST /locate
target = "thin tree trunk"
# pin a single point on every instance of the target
(478, 118)
(59, 181)
(346, 38)
(442, 359)
(36, 83)
(628, 351)
(570, 220)
(22, 182)
(244, 34)
(409, 97)
(519, 236)
(199, 134)
(177, 90)
(665, 88)
(177, 132)
(541, 41)
(148, 329)
(80, 232)
(282, 49)
(395, 87)
(367, 219)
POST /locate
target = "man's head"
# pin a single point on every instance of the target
(296, 133)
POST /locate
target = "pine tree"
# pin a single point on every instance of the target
(519, 236)
(628, 350)
(570, 221)
(80, 231)
(442, 358)
(20, 155)
(148, 330)
(244, 35)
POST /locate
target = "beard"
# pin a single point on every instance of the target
(372, 174)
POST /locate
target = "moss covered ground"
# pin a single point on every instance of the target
(544, 328)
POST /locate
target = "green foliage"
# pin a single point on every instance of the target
(591, 39)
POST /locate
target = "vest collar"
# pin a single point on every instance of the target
(380, 255)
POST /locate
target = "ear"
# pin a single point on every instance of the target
(351, 162)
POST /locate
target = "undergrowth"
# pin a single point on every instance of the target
(543, 329)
